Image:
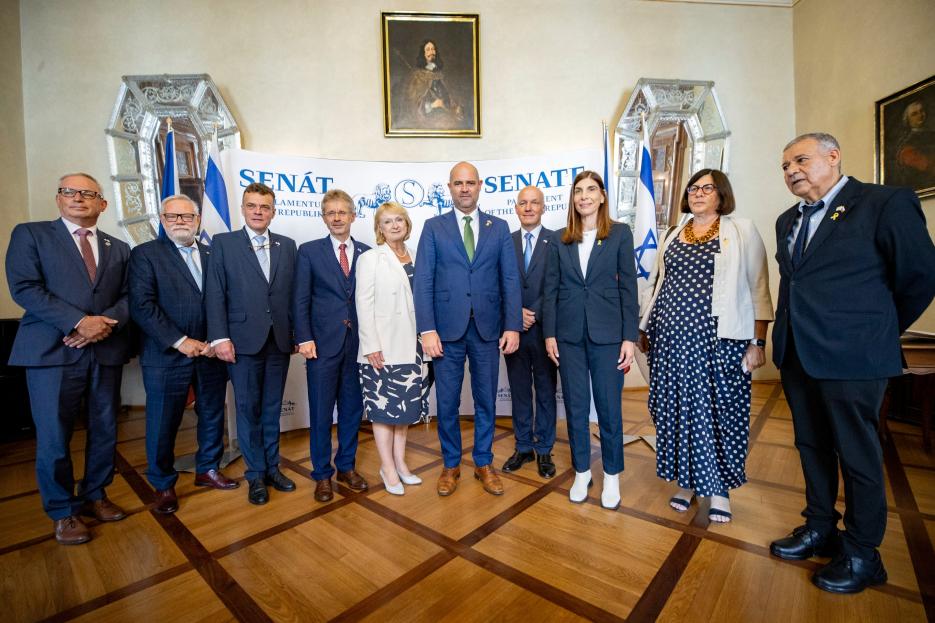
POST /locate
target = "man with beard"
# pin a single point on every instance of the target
(427, 100)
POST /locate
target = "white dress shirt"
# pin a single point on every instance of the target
(92, 238)
(335, 243)
(816, 217)
(535, 231)
(475, 216)
(196, 257)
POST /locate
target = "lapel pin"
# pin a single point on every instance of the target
(599, 242)
(838, 211)
(487, 223)
(106, 242)
(276, 243)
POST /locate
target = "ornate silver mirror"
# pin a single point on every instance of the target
(136, 143)
(687, 132)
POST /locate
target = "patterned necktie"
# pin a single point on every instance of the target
(801, 240)
(345, 265)
(190, 262)
(262, 254)
(86, 253)
(468, 238)
(527, 254)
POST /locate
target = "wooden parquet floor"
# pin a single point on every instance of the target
(528, 555)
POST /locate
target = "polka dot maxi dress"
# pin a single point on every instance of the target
(699, 395)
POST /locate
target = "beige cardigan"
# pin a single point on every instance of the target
(741, 280)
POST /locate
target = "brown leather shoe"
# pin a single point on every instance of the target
(71, 531)
(488, 477)
(448, 480)
(353, 480)
(215, 479)
(323, 490)
(166, 501)
(103, 510)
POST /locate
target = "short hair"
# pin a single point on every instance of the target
(260, 189)
(336, 194)
(162, 204)
(574, 232)
(827, 141)
(724, 191)
(420, 56)
(531, 187)
(390, 207)
(100, 189)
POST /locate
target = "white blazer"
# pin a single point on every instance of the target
(386, 317)
(741, 280)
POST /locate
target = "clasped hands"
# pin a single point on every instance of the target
(624, 361)
(89, 330)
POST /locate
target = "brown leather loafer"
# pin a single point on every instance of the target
(352, 480)
(215, 479)
(323, 490)
(488, 477)
(71, 531)
(448, 481)
(103, 510)
(166, 501)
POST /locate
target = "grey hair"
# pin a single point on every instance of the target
(827, 141)
(162, 205)
(910, 105)
(100, 188)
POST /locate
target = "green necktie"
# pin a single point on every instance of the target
(468, 238)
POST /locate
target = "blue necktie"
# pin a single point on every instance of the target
(190, 262)
(262, 255)
(801, 240)
(527, 253)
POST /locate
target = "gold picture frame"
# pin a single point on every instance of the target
(431, 74)
(905, 138)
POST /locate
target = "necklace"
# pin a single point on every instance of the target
(691, 238)
(404, 254)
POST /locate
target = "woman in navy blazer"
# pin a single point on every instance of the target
(590, 284)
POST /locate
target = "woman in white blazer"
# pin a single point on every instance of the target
(393, 370)
(703, 321)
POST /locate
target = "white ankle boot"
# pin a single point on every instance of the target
(610, 496)
(579, 490)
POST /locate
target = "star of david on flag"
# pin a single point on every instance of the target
(644, 231)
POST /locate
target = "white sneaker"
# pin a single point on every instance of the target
(397, 489)
(610, 496)
(579, 490)
(409, 479)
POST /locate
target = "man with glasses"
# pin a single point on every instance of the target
(167, 302)
(325, 317)
(71, 279)
(248, 292)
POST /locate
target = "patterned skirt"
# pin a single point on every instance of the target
(396, 394)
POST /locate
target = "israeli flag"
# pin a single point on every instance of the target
(645, 239)
(215, 213)
(170, 173)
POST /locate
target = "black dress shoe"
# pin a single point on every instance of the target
(546, 466)
(804, 543)
(518, 460)
(849, 574)
(257, 493)
(279, 482)
(167, 502)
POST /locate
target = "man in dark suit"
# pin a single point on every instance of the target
(71, 278)
(167, 303)
(468, 305)
(535, 434)
(855, 262)
(326, 332)
(247, 300)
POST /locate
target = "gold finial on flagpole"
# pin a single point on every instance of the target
(169, 123)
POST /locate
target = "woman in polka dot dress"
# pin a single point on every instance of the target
(703, 325)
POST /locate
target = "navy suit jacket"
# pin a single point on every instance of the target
(324, 306)
(165, 301)
(865, 276)
(606, 298)
(449, 289)
(533, 280)
(48, 278)
(240, 303)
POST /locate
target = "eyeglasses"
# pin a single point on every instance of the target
(332, 214)
(706, 189)
(86, 194)
(185, 218)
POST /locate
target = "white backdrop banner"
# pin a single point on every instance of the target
(421, 187)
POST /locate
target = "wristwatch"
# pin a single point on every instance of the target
(756, 342)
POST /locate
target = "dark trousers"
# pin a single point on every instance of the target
(578, 361)
(334, 380)
(259, 381)
(836, 423)
(528, 366)
(55, 395)
(166, 395)
(484, 362)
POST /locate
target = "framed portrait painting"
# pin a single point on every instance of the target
(905, 124)
(431, 74)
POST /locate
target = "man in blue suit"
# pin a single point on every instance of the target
(534, 431)
(326, 331)
(855, 262)
(71, 278)
(468, 305)
(167, 303)
(247, 300)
